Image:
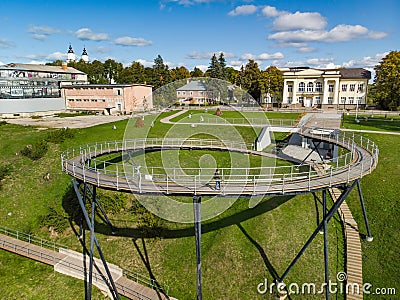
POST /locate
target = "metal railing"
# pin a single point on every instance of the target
(361, 159)
(53, 257)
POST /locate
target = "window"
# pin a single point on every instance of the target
(318, 99)
(310, 87)
(344, 87)
(290, 88)
(184, 93)
(352, 87)
(360, 88)
(289, 100)
(359, 100)
(301, 99)
(191, 93)
(302, 85)
(330, 88)
(330, 100)
(179, 93)
(342, 99)
(318, 87)
(351, 100)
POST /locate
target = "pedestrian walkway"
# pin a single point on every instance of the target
(75, 264)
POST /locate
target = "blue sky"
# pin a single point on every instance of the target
(324, 33)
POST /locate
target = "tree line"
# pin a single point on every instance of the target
(384, 92)
(258, 83)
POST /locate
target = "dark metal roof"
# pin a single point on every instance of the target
(353, 73)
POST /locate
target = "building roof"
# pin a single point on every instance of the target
(103, 85)
(195, 85)
(41, 68)
(355, 73)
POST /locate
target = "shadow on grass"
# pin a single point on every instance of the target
(167, 233)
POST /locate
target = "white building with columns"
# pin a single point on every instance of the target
(325, 88)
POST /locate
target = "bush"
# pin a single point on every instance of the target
(35, 151)
(139, 122)
(59, 136)
(3, 123)
(4, 171)
(55, 217)
(112, 202)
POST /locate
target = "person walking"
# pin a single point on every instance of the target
(217, 179)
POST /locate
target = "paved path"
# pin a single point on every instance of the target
(72, 263)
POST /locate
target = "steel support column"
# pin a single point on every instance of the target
(326, 219)
(326, 256)
(93, 240)
(197, 233)
(369, 237)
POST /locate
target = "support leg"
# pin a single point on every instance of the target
(90, 224)
(197, 232)
(328, 216)
(103, 212)
(326, 257)
(369, 235)
(91, 242)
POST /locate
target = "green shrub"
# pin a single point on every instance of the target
(112, 202)
(59, 136)
(35, 151)
(3, 123)
(4, 171)
(55, 217)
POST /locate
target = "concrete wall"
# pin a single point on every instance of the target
(31, 105)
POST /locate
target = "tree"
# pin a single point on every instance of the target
(232, 75)
(250, 81)
(387, 81)
(271, 84)
(221, 67)
(213, 69)
(160, 73)
(179, 73)
(112, 70)
(196, 72)
(133, 74)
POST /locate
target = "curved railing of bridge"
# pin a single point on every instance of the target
(85, 163)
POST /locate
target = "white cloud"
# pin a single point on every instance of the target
(299, 20)
(145, 63)
(340, 33)
(202, 67)
(43, 30)
(366, 61)
(39, 37)
(243, 10)
(270, 11)
(306, 49)
(87, 34)
(6, 44)
(131, 41)
(208, 55)
(56, 56)
(262, 56)
(102, 49)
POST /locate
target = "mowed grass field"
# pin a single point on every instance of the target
(240, 248)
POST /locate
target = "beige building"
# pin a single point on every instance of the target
(108, 98)
(194, 92)
(329, 88)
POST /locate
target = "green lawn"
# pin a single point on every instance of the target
(240, 247)
(366, 122)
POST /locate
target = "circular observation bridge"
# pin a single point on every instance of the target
(86, 165)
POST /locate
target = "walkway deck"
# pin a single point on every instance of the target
(353, 247)
(72, 263)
